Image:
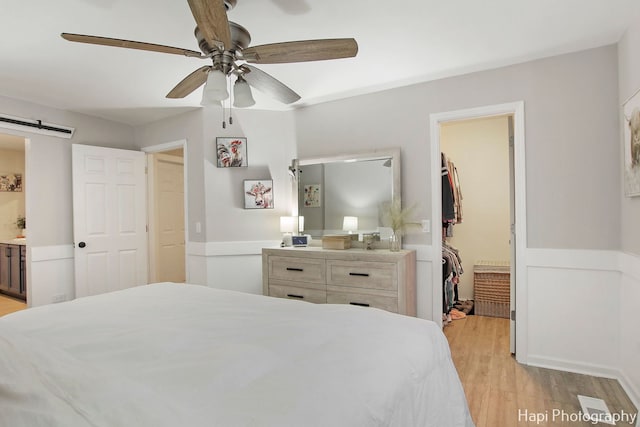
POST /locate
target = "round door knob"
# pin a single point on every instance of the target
(82, 244)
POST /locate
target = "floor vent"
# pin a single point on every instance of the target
(596, 409)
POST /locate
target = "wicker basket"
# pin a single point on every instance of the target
(491, 286)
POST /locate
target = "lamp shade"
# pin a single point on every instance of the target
(288, 224)
(215, 89)
(350, 223)
(242, 96)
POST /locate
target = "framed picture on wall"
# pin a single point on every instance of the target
(631, 135)
(11, 182)
(258, 194)
(312, 196)
(231, 152)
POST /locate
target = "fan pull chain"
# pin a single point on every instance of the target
(224, 123)
(230, 101)
(224, 116)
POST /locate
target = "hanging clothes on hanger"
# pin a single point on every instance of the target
(451, 272)
(448, 208)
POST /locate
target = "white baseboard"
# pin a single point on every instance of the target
(573, 366)
(631, 390)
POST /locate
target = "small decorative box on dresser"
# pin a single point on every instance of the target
(371, 278)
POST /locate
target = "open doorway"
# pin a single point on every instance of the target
(13, 265)
(517, 228)
(13, 277)
(476, 153)
(167, 213)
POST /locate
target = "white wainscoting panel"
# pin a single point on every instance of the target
(573, 304)
(228, 265)
(424, 281)
(50, 274)
(196, 264)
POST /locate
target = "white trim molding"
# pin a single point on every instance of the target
(578, 259)
(209, 249)
(517, 110)
(51, 253)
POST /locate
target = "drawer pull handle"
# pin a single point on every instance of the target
(359, 274)
(294, 269)
(361, 304)
(295, 296)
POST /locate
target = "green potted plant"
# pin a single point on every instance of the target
(21, 223)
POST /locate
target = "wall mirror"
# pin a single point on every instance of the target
(348, 185)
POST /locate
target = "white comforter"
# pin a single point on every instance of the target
(189, 356)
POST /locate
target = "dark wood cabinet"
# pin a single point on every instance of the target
(13, 277)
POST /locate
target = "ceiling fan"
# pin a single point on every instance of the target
(227, 45)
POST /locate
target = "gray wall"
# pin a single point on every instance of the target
(629, 83)
(629, 66)
(215, 195)
(48, 197)
(189, 127)
(571, 122)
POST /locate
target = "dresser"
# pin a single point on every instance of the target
(370, 278)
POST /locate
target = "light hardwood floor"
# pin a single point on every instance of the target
(502, 393)
(9, 305)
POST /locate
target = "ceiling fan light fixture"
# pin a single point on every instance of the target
(215, 89)
(242, 96)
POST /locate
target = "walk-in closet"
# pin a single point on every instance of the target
(477, 195)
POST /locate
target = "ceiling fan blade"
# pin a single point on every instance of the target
(211, 18)
(270, 85)
(106, 41)
(301, 51)
(190, 83)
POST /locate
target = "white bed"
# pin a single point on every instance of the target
(185, 355)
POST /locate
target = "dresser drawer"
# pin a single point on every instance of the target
(365, 300)
(358, 274)
(373, 278)
(297, 269)
(303, 294)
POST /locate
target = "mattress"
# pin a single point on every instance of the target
(186, 355)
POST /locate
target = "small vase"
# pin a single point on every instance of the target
(395, 242)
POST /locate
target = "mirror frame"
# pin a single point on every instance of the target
(392, 153)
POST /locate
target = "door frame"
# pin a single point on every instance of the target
(520, 230)
(159, 148)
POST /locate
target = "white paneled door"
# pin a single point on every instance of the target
(169, 218)
(109, 219)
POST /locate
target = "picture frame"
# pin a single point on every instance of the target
(231, 152)
(631, 135)
(312, 196)
(258, 193)
(11, 182)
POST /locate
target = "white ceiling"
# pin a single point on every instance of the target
(399, 43)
